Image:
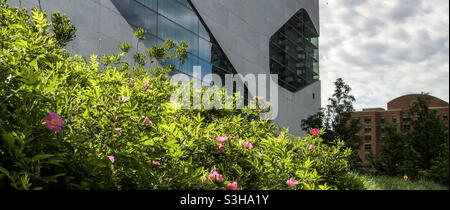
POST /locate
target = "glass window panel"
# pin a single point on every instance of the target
(219, 60)
(185, 3)
(203, 32)
(150, 41)
(205, 49)
(169, 30)
(188, 66)
(178, 13)
(206, 72)
(137, 15)
(152, 4)
(206, 67)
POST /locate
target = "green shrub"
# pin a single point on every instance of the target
(121, 131)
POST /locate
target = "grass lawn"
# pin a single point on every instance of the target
(379, 182)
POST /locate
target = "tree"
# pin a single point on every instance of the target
(336, 120)
(440, 166)
(394, 158)
(428, 134)
(422, 151)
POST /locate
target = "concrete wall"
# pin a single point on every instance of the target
(242, 28)
(100, 26)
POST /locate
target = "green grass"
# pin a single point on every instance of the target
(379, 182)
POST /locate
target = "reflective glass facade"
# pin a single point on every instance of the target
(177, 20)
(294, 53)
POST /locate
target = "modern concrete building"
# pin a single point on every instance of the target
(373, 120)
(224, 36)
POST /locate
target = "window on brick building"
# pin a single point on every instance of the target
(383, 137)
(367, 128)
(405, 118)
(382, 120)
(367, 119)
(445, 116)
(367, 137)
(382, 129)
(394, 118)
(368, 147)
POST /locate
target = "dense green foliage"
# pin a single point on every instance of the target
(395, 155)
(121, 130)
(421, 152)
(336, 120)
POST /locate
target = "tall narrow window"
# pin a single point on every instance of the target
(367, 119)
(368, 147)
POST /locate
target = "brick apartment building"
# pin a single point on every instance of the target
(373, 120)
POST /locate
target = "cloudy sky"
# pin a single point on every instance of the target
(385, 48)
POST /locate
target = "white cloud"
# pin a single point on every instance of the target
(385, 49)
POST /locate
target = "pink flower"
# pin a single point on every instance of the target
(213, 118)
(53, 122)
(174, 118)
(118, 130)
(220, 147)
(132, 81)
(204, 179)
(214, 176)
(259, 110)
(292, 182)
(111, 158)
(222, 138)
(172, 99)
(315, 132)
(156, 163)
(148, 122)
(198, 91)
(247, 145)
(232, 186)
(147, 85)
(278, 138)
(311, 147)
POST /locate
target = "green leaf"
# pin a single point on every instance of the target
(4, 171)
(41, 157)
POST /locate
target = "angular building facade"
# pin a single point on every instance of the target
(224, 37)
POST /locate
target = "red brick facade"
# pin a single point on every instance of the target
(373, 120)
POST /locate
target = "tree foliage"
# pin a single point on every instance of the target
(423, 151)
(395, 156)
(336, 120)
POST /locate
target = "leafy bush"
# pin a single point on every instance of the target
(69, 123)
